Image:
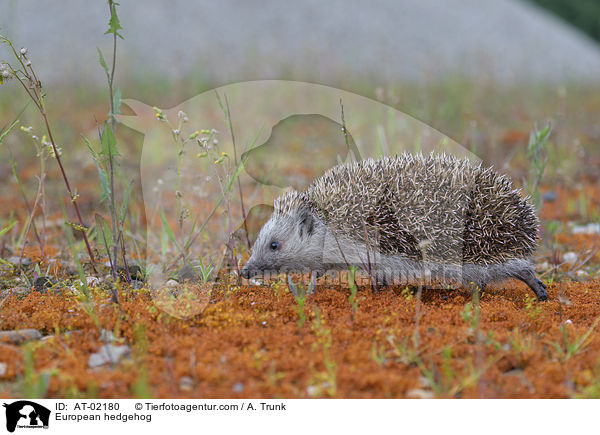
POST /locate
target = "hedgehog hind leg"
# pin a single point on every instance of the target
(529, 278)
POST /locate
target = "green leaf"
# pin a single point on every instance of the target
(3, 133)
(103, 184)
(167, 228)
(109, 143)
(102, 62)
(3, 231)
(114, 25)
(101, 173)
(104, 232)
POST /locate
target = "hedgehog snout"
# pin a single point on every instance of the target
(248, 273)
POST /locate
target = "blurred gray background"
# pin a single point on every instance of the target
(381, 41)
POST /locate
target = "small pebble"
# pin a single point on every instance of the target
(41, 283)
(186, 383)
(238, 387)
(187, 273)
(108, 354)
(569, 322)
(549, 196)
(172, 283)
(135, 272)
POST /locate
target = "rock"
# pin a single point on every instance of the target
(18, 291)
(187, 273)
(135, 272)
(172, 283)
(570, 257)
(238, 387)
(549, 196)
(20, 336)
(186, 383)
(41, 283)
(14, 260)
(108, 354)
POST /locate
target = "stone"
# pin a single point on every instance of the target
(20, 336)
(108, 354)
(549, 196)
(41, 283)
(186, 383)
(187, 273)
(14, 260)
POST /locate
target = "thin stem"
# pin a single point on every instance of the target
(113, 215)
(238, 178)
(37, 197)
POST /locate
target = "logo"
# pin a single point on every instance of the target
(26, 414)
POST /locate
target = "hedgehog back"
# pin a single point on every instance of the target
(441, 207)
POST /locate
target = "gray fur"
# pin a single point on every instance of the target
(470, 229)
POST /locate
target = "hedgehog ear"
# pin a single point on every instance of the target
(307, 223)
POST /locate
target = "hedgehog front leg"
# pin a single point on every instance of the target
(529, 278)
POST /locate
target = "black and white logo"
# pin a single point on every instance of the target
(25, 414)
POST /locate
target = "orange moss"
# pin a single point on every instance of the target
(247, 344)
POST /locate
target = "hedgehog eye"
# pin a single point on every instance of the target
(274, 246)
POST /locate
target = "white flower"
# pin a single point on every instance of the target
(24, 51)
(182, 115)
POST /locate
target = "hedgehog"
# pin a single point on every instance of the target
(410, 217)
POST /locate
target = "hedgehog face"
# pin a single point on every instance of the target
(288, 242)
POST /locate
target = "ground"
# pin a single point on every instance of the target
(249, 340)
